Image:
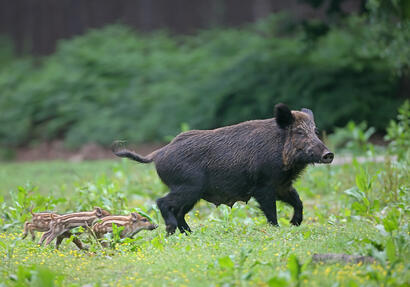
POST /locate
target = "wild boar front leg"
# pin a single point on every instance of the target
(53, 233)
(166, 206)
(44, 236)
(292, 198)
(182, 225)
(190, 198)
(176, 204)
(267, 203)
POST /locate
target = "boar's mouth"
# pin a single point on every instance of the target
(312, 158)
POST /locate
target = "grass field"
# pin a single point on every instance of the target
(356, 209)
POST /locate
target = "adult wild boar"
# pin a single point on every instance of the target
(258, 158)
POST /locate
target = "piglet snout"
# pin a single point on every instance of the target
(153, 226)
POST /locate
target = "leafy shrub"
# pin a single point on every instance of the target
(399, 132)
(36, 276)
(6, 52)
(352, 137)
(22, 200)
(113, 83)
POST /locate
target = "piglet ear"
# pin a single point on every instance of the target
(283, 115)
(134, 216)
(98, 211)
(309, 112)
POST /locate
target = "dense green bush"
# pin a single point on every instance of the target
(116, 84)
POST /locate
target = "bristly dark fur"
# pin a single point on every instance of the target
(259, 158)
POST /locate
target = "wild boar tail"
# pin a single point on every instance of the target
(132, 155)
(118, 149)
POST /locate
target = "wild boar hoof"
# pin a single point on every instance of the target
(296, 221)
(275, 224)
(170, 229)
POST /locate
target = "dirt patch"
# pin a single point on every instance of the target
(57, 150)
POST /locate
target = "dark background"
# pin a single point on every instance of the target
(36, 25)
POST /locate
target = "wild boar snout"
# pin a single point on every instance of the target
(318, 152)
(322, 153)
(327, 156)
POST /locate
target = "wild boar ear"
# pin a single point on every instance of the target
(134, 216)
(98, 211)
(309, 112)
(283, 115)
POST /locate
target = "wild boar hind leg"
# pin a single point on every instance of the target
(28, 228)
(267, 203)
(292, 198)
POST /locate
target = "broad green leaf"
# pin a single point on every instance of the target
(278, 282)
(391, 250)
(226, 262)
(391, 222)
(355, 193)
(361, 208)
(361, 181)
(366, 202)
(294, 266)
(43, 277)
(353, 283)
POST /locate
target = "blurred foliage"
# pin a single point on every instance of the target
(113, 83)
(333, 7)
(353, 138)
(390, 32)
(6, 52)
(398, 133)
(387, 21)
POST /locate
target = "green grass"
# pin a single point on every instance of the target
(227, 247)
(50, 176)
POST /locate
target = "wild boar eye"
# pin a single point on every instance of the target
(300, 132)
(144, 220)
